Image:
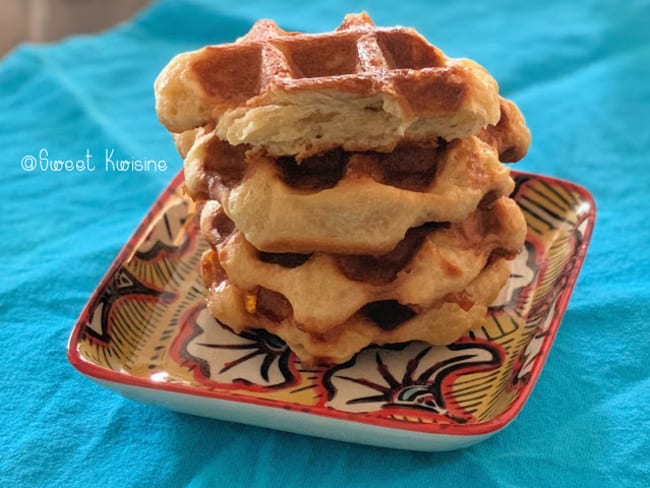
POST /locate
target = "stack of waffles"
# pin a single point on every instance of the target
(352, 184)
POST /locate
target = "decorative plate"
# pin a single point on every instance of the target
(145, 332)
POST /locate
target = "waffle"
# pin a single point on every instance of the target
(360, 87)
(357, 203)
(510, 136)
(433, 261)
(384, 322)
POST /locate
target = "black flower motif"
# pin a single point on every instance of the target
(252, 357)
(163, 235)
(411, 376)
(123, 285)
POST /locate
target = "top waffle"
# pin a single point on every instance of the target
(360, 87)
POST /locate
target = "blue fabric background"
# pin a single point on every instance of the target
(580, 71)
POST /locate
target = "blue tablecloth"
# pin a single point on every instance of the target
(580, 71)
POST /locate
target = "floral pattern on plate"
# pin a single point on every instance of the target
(253, 358)
(413, 376)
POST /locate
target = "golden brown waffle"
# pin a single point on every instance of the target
(432, 262)
(354, 203)
(384, 322)
(352, 183)
(510, 136)
(360, 87)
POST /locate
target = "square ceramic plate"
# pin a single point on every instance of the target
(145, 333)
